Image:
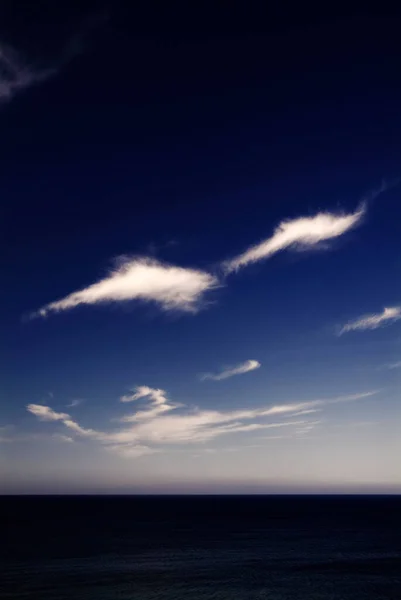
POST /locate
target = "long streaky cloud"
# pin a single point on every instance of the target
(300, 233)
(146, 279)
(245, 367)
(373, 321)
(45, 413)
(148, 431)
(396, 365)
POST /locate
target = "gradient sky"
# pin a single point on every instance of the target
(200, 246)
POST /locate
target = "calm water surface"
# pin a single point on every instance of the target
(151, 548)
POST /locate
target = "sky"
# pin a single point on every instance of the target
(200, 250)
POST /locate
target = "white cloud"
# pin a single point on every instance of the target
(74, 402)
(112, 441)
(245, 367)
(80, 430)
(201, 425)
(303, 232)
(150, 430)
(300, 428)
(143, 391)
(158, 399)
(145, 279)
(374, 320)
(45, 413)
(306, 412)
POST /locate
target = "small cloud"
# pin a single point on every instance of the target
(300, 233)
(143, 391)
(132, 450)
(396, 365)
(307, 428)
(172, 288)
(373, 321)
(15, 75)
(74, 402)
(63, 438)
(245, 367)
(158, 399)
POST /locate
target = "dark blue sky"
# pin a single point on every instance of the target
(131, 138)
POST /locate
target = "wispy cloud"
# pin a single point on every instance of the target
(16, 75)
(396, 365)
(306, 412)
(12, 436)
(373, 321)
(158, 399)
(144, 279)
(132, 450)
(299, 428)
(152, 429)
(45, 413)
(63, 438)
(300, 233)
(111, 440)
(144, 391)
(74, 402)
(305, 429)
(245, 367)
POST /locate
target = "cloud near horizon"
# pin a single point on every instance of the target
(145, 279)
(151, 431)
(373, 321)
(245, 367)
(299, 233)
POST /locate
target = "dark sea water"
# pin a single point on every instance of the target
(143, 548)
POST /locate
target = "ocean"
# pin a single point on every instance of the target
(200, 547)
